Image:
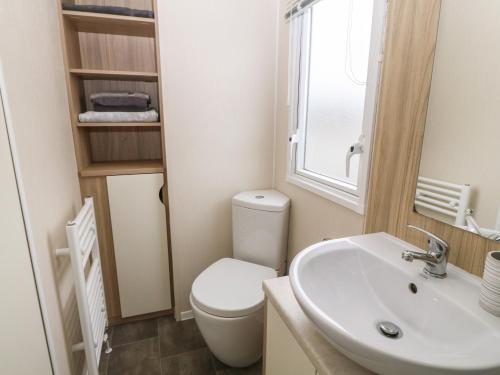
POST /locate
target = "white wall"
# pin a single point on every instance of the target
(218, 67)
(20, 316)
(463, 121)
(36, 107)
(312, 218)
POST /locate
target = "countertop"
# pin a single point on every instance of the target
(325, 358)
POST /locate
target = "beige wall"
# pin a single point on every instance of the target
(462, 129)
(218, 67)
(313, 218)
(37, 111)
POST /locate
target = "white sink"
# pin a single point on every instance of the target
(348, 286)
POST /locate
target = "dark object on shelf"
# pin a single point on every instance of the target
(119, 108)
(106, 9)
(139, 100)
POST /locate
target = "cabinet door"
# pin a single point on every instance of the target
(139, 229)
(283, 353)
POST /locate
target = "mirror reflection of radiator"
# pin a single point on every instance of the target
(445, 198)
(87, 274)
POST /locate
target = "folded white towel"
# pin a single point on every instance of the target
(91, 116)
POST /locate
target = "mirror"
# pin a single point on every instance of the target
(459, 175)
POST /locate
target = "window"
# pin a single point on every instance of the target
(334, 74)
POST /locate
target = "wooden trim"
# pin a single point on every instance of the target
(264, 343)
(405, 89)
(97, 188)
(88, 22)
(164, 150)
(122, 167)
(115, 75)
(158, 314)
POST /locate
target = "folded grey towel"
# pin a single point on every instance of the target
(119, 94)
(121, 11)
(92, 116)
(120, 108)
(121, 99)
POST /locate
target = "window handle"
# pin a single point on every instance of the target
(356, 148)
(293, 140)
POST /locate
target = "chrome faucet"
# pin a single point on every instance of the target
(436, 258)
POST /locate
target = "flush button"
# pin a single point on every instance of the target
(259, 197)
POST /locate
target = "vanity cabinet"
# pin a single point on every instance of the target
(138, 222)
(283, 355)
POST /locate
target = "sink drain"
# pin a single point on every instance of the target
(389, 330)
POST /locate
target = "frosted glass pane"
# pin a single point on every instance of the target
(340, 43)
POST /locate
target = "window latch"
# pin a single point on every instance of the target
(293, 140)
(354, 149)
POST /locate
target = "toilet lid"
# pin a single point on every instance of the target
(231, 288)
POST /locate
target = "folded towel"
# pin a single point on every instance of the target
(92, 116)
(121, 11)
(119, 94)
(122, 99)
(120, 108)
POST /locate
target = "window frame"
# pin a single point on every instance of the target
(345, 194)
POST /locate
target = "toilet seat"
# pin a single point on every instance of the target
(231, 288)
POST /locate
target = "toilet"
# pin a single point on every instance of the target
(227, 297)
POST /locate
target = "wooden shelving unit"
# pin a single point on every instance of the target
(96, 62)
(104, 52)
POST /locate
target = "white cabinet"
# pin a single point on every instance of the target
(283, 354)
(138, 221)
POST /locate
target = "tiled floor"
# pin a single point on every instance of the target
(164, 347)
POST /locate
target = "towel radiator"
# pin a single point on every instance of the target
(87, 274)
(444, 197)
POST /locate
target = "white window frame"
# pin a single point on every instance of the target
(345, 194)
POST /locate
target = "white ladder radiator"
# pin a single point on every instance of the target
(86, 267)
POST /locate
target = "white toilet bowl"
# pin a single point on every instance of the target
(228, 306)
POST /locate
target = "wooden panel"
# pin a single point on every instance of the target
(138, 225)
(115, 75)
(283, 354)
(125, 144)
(116, 52)
(405, 88)
(97, 189)
(110, 24)
(122, 168)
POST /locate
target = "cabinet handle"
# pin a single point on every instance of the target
(160, 195)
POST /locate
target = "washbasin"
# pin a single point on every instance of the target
(386, 315)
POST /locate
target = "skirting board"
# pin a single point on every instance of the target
(186, 315)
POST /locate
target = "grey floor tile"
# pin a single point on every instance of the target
(197, 362)
(222, 369)
(178, 337)
(136, 331)
(103, 363)
(138, 358)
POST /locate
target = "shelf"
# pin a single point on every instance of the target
(118, 124)
(88, 22)
(116, 168)
(115, 75)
